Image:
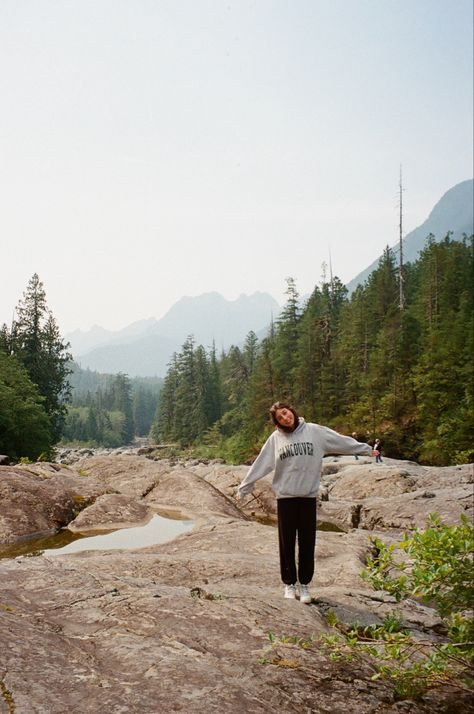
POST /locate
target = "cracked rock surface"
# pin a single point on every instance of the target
(183, 626)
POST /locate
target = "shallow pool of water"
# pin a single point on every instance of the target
(157, 530)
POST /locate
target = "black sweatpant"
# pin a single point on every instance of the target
(296, 516)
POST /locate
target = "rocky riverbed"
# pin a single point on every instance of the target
(184, 625)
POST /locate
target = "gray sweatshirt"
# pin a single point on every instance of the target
(296, 458)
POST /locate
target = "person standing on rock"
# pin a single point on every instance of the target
(377, 451)
(295, 452)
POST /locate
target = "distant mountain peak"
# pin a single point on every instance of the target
(145, 347)
(453, 213)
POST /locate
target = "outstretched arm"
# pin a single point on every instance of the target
(263, 464)
(335, 443)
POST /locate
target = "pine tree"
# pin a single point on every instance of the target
(235, 376)
(164, 426)
(92, 427)
(121, 400)
(5, 340)
(442, 376)
(185, 396)
(36, 342)
(144, 407)
(214, 388)
(250, 352)
(25, 429)
(365, 365)
(286, 338)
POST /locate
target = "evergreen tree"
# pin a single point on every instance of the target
(286, 338)
(363, 365)
(309, 357)
(120, 399)
(4, 340)
(382, 303)
(250, 352)
(25, 429)
(235, 376)
(443, 374)
(214, 388)
(185, 396)
(37, 344)
(56, 369)
(92, 427)
(163, 428)
(144, 408)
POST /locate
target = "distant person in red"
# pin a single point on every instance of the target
(377, 451)
(295, 452)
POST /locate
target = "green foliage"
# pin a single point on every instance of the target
(411, 665)
(440, 569)
(94, 426)
(191, 397)
(25, 428)
(440, 572)
(35, 341)
(281, 649)
(109, 409)
(362, 365)
(144, 408)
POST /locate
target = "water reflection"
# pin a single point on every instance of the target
(320, 525)
(157, 530)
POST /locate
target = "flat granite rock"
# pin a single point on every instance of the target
(186, 625)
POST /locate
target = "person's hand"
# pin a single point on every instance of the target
(237, 496)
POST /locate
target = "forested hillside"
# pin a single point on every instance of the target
(398, 370)
(109, 409)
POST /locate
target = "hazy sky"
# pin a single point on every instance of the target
(151, 149)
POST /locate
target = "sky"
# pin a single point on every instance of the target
(152, 149)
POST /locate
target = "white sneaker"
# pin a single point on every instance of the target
(305, 595)
(290, 592)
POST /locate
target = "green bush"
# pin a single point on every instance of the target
(439, 570)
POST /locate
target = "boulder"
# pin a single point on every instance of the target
(109, 512)
(411, 510)
(372, 480)
(40, 499)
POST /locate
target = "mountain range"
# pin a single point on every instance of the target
(144, 348)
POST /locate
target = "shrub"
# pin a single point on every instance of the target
(439, 571)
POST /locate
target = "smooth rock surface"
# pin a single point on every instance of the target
(183, 626)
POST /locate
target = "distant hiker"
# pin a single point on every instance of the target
(294, 451)
(355, 437)
(377, 451)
